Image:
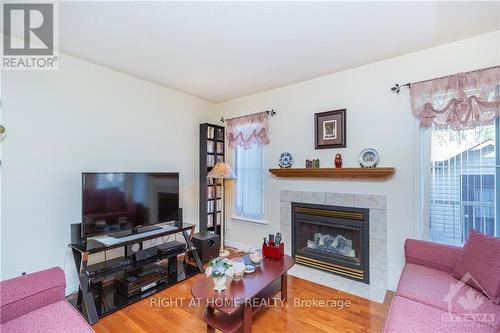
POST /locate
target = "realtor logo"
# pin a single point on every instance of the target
(29, 36)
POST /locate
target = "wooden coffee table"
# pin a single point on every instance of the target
(233, 308)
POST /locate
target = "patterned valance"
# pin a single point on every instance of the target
(247, 131)
(460, 101)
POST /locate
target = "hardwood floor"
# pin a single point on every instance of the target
(361, 316)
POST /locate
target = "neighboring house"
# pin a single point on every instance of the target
(463, 194)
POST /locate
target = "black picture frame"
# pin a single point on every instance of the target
(335, 121)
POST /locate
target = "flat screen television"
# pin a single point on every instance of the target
(124, 203)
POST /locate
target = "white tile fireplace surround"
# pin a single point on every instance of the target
(377, 205)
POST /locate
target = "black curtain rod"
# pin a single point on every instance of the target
(270, 113)
(396, 88)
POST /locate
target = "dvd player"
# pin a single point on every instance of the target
(106, 266)
(171, 247)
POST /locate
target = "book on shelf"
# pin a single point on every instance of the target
(220, 158)
(210, 161)
(210, 147)
(210, 220)
(210, 192)
(211, 206)
(218, 191)
(219, 205)
(210, 132)
(219, 134)
(220, 147)
(217, 218)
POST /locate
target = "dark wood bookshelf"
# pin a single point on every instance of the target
(212, 150)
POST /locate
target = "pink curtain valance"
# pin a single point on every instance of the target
(247, 131)
(461, 101)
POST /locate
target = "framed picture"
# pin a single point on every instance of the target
(330, 129)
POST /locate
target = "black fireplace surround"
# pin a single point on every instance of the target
(332, 238)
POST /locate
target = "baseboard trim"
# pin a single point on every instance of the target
(239, 246)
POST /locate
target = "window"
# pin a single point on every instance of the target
(463, 184)
(250, 182)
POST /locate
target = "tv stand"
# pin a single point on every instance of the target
(97, 296)
(126, 233)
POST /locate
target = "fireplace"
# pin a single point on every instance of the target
(332, 238)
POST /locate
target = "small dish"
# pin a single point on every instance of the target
(249, 269)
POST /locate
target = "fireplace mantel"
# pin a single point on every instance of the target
(362, 173)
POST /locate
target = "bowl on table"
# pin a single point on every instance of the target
(256, 257)
(238, 268)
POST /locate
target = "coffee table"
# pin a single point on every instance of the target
(233, 308)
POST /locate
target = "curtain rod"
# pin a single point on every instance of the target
(397, 87)
(270, 113)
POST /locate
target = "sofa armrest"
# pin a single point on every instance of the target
(433, 255)
(21, 295)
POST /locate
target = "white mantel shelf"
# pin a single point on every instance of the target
(353, 173)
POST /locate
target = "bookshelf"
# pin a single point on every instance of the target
(212, 150)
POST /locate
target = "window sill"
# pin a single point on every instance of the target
(248, 220)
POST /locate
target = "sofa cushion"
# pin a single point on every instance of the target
(409, 316)
(441, 290)
(54, 318)
(480, 259)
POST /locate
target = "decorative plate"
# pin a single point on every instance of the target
(249, 269)
(285, 160)
(368, 158)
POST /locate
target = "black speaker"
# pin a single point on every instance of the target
(207, 245)
(178, 223)
(76, 234)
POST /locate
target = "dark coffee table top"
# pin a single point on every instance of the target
(249, 287)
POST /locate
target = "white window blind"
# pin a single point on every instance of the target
(250, 182)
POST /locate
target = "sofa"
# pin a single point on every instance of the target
(429, 299)
(35, 303)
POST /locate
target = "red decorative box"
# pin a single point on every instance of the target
(275, 252)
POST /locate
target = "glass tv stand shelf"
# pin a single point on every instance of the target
(97, 295)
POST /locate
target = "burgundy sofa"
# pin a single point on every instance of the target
(429, 299)
(35, 303)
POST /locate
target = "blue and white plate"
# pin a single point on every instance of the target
(286, 160)
(368, 158)
(249, 269)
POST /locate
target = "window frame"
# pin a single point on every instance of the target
(421, 156)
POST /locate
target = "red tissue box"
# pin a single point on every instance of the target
(274, 252)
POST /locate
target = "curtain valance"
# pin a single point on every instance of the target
(460, 101)
(247, 131)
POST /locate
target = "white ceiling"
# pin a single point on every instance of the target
(223, 50)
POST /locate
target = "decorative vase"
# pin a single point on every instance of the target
(219, 283)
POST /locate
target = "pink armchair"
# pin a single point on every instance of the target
(36, 303)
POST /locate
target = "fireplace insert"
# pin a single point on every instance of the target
(332, 238)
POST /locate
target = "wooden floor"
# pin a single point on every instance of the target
(362, 316)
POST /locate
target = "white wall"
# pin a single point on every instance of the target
(375, 118)
(83, 118)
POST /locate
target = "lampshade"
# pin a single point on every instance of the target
(222, 170)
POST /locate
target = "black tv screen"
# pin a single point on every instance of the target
(125, 201)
